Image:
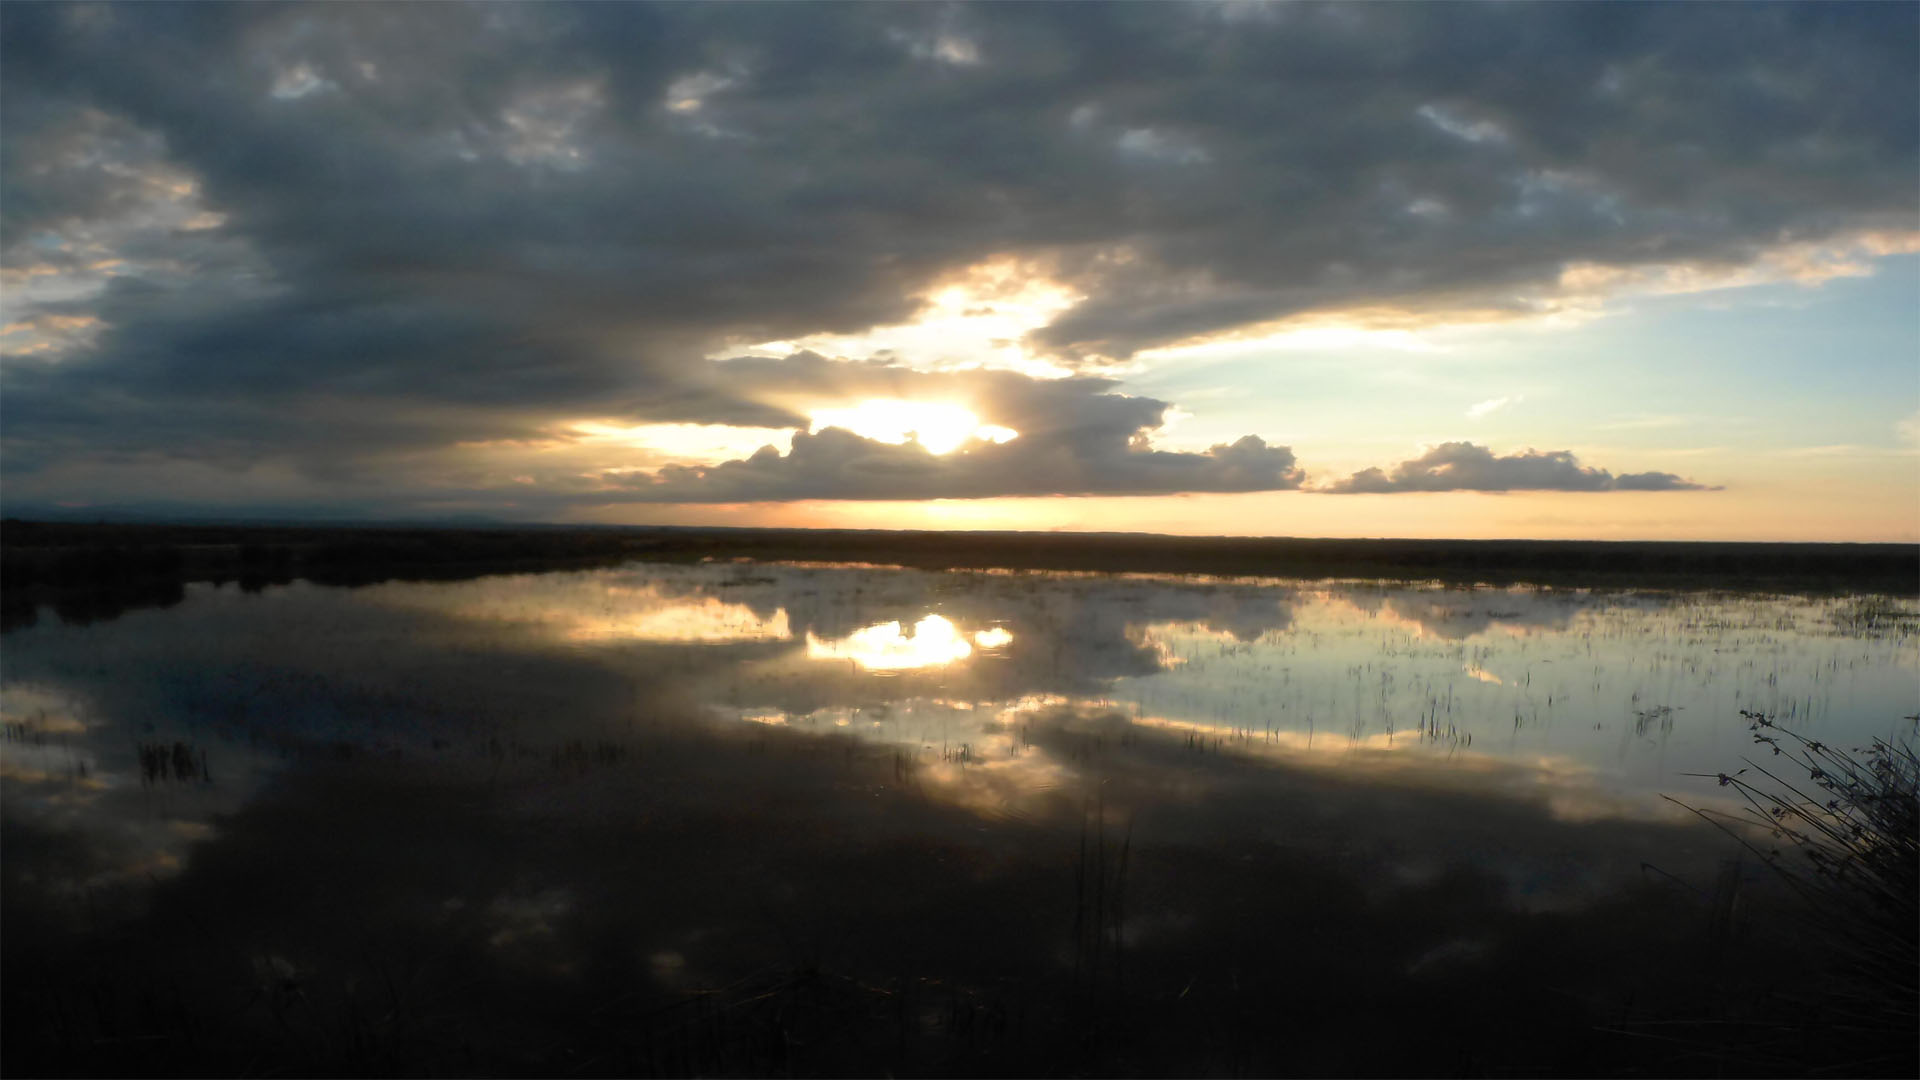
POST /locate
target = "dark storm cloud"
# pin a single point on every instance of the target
(1463, 466)
(345, 231)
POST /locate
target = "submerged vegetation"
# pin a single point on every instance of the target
(179, 762)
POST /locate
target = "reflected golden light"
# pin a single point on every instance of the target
(704, 620)
(996, 638)
(590, 612)
(886, 647)
(939, 426)
(996, 788)
(40, 710)
(1569, 790)
(16, 771)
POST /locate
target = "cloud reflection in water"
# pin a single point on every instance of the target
(657, 778)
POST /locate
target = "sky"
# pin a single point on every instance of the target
(1610, 271)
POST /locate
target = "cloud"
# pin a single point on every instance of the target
(1906, 430)
(837, 464)
(1492, 405)
(1464, 466)
(1076, 437)
(324, 236)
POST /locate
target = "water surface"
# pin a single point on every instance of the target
(1054, 822)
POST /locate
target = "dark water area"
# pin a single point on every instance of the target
(775, 819)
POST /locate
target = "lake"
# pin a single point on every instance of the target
(764, 818)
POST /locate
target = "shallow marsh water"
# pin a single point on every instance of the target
(750, 818)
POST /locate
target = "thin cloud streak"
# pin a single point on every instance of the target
(1492, 405)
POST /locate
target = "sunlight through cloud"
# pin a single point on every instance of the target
(978, 317)
(941, 427)
(683, 442)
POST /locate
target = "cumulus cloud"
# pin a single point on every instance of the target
(1464, 466)
(1075, 437)
(326, 235)
(837, 464)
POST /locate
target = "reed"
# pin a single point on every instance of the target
(1845, 839)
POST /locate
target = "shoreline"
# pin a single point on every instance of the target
(40, 557)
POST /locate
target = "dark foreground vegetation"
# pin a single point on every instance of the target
(1840, 828)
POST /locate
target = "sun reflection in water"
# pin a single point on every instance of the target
(996, 638)
(887, 647)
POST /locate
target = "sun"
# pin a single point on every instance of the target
(940, 426)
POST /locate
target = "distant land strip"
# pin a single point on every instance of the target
(37, 555)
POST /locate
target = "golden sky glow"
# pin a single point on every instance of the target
(978, 316)
(941, 427)
(682, 442)
(1849, 511)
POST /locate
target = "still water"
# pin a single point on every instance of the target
(1055, 822)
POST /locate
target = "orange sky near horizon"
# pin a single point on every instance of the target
(1733, 515)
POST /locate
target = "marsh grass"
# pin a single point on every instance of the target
(174, 762)
(1100, 890)
(1841, 830)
